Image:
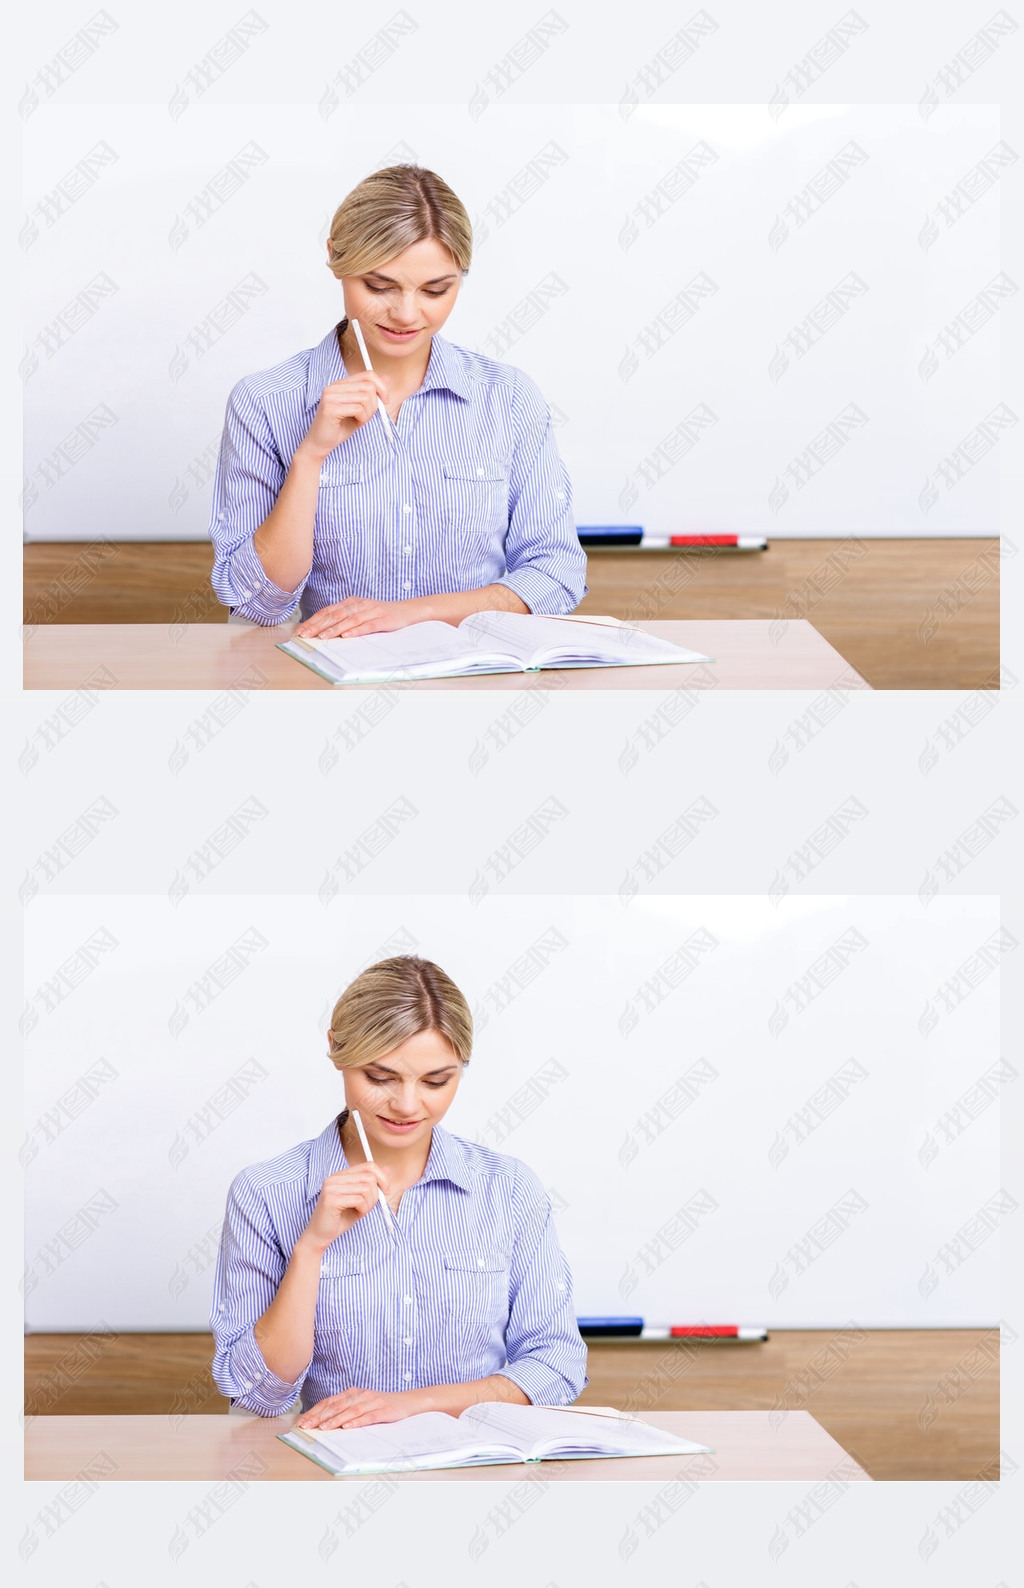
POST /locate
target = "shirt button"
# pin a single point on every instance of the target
(406, 508)
(408, 1339)
(480, 473)
(408, 1376)
(407, 1300)
(407, 550)
(407, 585)
(479, 1262)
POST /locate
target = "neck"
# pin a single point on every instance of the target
(404, 374)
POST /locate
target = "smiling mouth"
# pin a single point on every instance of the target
(401, 1124)
(392, 332)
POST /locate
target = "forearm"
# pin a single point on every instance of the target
(284, 1333)
(284, 541)
(455, 605)
(454, 1398)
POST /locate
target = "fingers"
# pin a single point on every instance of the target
(381, 385)
(348, 620)
(328, 618)
(354, 1188)
(316, 1416)
(353, 1408)
(355, 630)
(348, 630)
(359, 382)
(345, 1177)
(357, 391)
(352, 1191)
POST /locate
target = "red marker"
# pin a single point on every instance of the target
(738, 542)
(702, 1331)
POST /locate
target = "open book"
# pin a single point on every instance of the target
(485, 642)
(488, 1434)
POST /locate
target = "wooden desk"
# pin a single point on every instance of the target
(746, 1446)
(750, 654)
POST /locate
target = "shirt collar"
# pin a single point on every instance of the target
(446, 1160)
(325, 366)
(445, 368)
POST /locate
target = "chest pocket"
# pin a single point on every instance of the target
(474, 496)
(341, 1299)
(474, 1285)
(339, 502)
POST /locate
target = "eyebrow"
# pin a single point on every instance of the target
(387, 1071)
(433, 282)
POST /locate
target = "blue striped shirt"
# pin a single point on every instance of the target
(473, 491)
(475, 1283)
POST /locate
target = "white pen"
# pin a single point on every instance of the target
(388, 426)
(369, 1158)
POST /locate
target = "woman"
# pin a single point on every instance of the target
(463, 1296)
(458, 503)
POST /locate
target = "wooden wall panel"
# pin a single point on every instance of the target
(907, 614)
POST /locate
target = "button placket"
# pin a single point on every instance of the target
(407, 530)
(406, 1318)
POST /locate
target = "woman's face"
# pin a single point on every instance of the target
(401, 1096)
(401, 304)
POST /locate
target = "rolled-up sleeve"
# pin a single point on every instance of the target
(250, 474)
(250, 1267)
(544, 561)
(546, 1355)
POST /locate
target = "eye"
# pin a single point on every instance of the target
(378, 1080)
(442, 294)
(366, 284)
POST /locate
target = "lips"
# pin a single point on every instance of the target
(399, 1124)
(399, 336)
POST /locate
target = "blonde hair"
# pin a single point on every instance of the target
(389, 211)
(392, 1001)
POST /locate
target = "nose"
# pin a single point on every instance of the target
(403, 314)
(404, 1103)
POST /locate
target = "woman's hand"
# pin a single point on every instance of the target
(344, 405)
(354, 1408)
(357, 615)
(344, 1197)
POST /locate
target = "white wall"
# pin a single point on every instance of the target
(133, 338)
(188, 1041)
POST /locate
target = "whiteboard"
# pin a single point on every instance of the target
(743, 319)
(743, 1111)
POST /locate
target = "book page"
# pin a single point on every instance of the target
(568, 1432)
(395, 655)
(622, 646)
(409, 1443)
(551, 641)
(517, 633)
